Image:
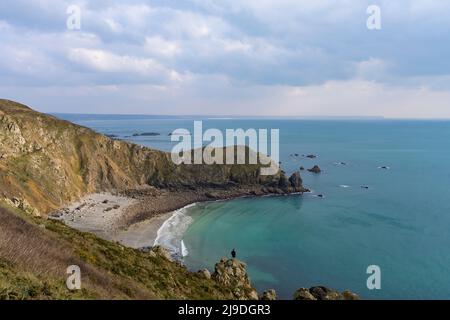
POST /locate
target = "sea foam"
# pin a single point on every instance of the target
(170, 234)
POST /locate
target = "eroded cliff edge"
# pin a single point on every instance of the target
(46, 162)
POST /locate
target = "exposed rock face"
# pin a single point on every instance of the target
(22, 204)
(50, 162)
(269, 295)
(233, 273)
(348, 295)
(205, 273)
(303, 294)
(283, 183)
(296, 182)
(162, 252)
(323, 293)
(315, 169)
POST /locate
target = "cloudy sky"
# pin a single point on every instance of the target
(217, 57)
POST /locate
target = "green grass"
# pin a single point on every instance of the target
(109, 270)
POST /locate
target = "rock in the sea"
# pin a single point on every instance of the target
(323, 293)
(302, 168)
(283, 183)
(296, 181)
(269, 295)
(146, 134)
(315, 169)
(233, 273)
(311, 156)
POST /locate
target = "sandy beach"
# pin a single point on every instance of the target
(134, 217)
(98, 213)
(142, 234)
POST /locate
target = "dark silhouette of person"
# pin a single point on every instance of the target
(233, 253)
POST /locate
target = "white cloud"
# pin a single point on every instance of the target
(103, 61)
(161, 47)
(305, 57)
(371, 69)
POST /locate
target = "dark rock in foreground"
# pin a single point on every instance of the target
(268, 295)
(233, 273)
(323, 293)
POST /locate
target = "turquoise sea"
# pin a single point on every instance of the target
(400, 223)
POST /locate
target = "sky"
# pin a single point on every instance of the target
(217, 57)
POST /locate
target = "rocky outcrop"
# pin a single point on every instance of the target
(205, 273)
(323, 293)
(268, 295)
(296, 182)
(23, 205)
(50, 162)
(161, 252)
(315, 169)
(146, 134)
(303, 294)
(233, 273)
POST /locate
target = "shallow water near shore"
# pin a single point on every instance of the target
(400, 222)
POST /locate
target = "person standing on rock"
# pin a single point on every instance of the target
(233, 254)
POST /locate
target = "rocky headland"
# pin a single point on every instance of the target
(91, 182)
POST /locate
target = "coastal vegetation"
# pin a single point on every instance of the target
(46, 163)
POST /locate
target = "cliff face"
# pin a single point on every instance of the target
(46, 162)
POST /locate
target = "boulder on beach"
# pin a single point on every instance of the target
(315, 169)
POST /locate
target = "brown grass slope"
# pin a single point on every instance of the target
(35, 253)
(49, 162)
